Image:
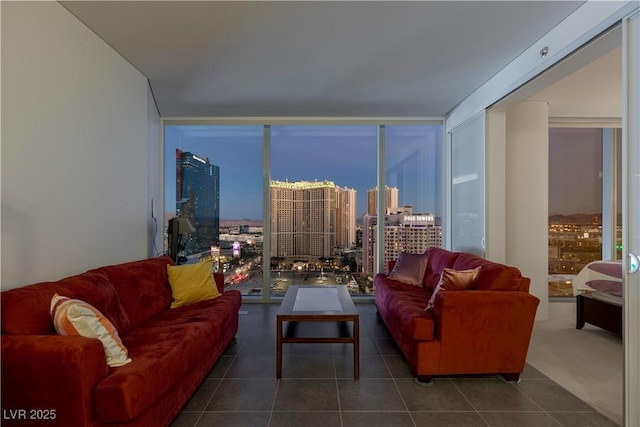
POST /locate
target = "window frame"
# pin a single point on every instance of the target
(266, 123)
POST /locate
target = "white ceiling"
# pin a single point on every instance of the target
(592, 92)
(318, 58)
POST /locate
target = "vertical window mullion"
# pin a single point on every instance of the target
(380, 198)
(266, 217)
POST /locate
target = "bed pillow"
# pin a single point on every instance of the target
(191, 283)
(74, 317)
(410, 268)
(454, 280)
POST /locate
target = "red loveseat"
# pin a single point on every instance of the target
(483, 330)
(52, 380)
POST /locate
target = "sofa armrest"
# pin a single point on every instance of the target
(50, 379)
(485, 328)
(219, 278)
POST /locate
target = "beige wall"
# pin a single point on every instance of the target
(495, 186)
(517, 192)
(527, 195)
(76, 127)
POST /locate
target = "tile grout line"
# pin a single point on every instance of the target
(392, 370)
(393, 378)
(536, 403)
(335, 378)
(468, 401)
(273, 403)
(214, 392)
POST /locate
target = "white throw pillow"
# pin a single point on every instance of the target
(75, 317)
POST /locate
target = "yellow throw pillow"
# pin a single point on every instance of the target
(75, 317)
(191, 283)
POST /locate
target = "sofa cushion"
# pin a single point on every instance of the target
(407, 310)
(142, 286)
(454, 280)
(493, 276)
(404, 304)
(215, 311)
(74, 317)
(191, 283)
(439, 259)
(384, 288)
(163, 350)
(161, 356)
(26, 310)
(409, 268)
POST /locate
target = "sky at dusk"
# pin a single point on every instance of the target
(575, 165)
(343, 154)
(346, 155)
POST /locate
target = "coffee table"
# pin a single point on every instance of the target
(304, 304)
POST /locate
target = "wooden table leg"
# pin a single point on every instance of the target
(356, 348)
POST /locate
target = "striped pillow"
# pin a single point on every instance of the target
(75, 317)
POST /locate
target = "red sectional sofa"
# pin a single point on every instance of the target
(483, 330)
(53, 380)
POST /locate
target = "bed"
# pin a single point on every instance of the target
(598, 292)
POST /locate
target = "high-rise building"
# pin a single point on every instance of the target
(404, 231)
(390, 199)
(198, 199)
(310, 218)
(346, 218)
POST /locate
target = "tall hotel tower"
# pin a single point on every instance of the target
(403, 231)
(390, 199)
(311, 218)
(198, 199)
(346, 218)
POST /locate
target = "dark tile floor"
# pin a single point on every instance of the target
(317, 387)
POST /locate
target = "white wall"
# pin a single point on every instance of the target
(75, 133)
(155, 179)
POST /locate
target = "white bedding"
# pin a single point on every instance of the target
(601, 279)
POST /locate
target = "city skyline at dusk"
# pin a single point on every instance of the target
(343, 154)
(347, 156)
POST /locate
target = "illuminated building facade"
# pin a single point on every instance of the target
(404, 231)
(198, 199)
(390, 199)
(310, 218)
(346, 218)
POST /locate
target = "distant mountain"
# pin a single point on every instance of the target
(578, 218)
(223, 222)
(244, 221)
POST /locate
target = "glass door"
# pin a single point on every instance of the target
(467, 186)
(631, 215)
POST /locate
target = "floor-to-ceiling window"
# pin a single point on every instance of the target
(321, 179)
(413, 189)
(577, 182)
(213, 177)
(467, 229)
(307, 194)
